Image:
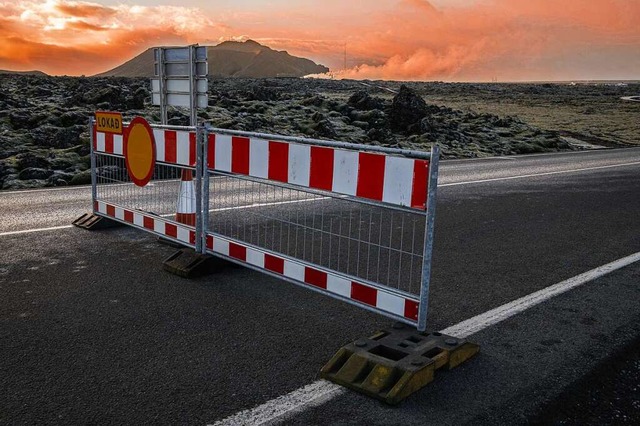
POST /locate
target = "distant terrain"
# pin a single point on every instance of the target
(34, 72)
(44, 138)
(231, 59)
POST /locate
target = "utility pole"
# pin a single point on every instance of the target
(345, 55)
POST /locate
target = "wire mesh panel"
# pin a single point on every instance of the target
(369, 242)
(167, 203)
(337, 218)
(114, 186)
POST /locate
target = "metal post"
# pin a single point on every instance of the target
(198, 191)
(163, 87)
(205, 186)
(193, 87)
(428, 237)
(94, 176)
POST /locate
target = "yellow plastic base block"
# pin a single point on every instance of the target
(391, 365)
(94, 222)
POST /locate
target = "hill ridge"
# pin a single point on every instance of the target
(231, 59)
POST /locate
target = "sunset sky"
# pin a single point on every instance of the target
(450, 40)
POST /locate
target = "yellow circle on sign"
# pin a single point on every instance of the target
(140, 151)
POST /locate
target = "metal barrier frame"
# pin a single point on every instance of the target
(408, 308)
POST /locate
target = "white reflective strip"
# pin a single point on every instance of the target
(259, 158)
(221, 246)
(255, 258)
(183, 235)
(100, 145)
(390, 303)
(182, 148)
(299, 164)
(119, 213)
(294, 270)
(398, 180)
(223, 153)
(339, 285)
(102, 207)
(158, 226)
(138, 219)
(345, 172)
(118, 145)
(158, 135)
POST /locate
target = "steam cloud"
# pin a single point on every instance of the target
(388, 39)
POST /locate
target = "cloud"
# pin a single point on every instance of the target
(69, 37)
(391, 39)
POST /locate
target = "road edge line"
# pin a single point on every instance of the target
(321, 391)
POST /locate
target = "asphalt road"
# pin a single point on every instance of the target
(93, 331)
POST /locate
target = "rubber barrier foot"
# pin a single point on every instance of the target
(94, 222)
(391, 365)
(187, 263)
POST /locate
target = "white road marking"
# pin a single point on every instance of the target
(321, 391)
(222, 209)
(324, 198)
(275, 203)
(28, 231)
(312, 395)
(501, 313)
(30, 191)
(559, 172)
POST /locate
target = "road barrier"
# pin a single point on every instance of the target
(353, 222)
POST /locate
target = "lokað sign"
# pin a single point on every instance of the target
(139, 151)
(109, 122)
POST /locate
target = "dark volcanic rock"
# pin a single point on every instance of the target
(325, 129)
(57, 137)
(407, 109)
(34, 173)
(31, 160)
(363, 101)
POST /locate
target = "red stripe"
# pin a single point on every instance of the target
(315, 277)
(95, 206)
(238, 252)
(274, 264)
(364, 294)
(240, 155)
(321, 168)
(170, 146)
(108, 143)
(111, 211)
(211, 152)
(279, 161)
(192, 149)
(192, 237)
(419, 190)
(128, 216)
(147, 222)
(171, 230)
(209, 242)
(370, 176)
(411, 309)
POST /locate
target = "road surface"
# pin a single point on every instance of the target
(93, 330)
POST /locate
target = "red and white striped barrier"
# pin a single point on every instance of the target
(395, 180)
(340, 286)
(337, 285)
(175, 147)
(148, 222)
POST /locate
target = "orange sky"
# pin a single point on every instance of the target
(451, 40)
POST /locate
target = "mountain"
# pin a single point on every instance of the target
(40, 73)
(231, 59)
